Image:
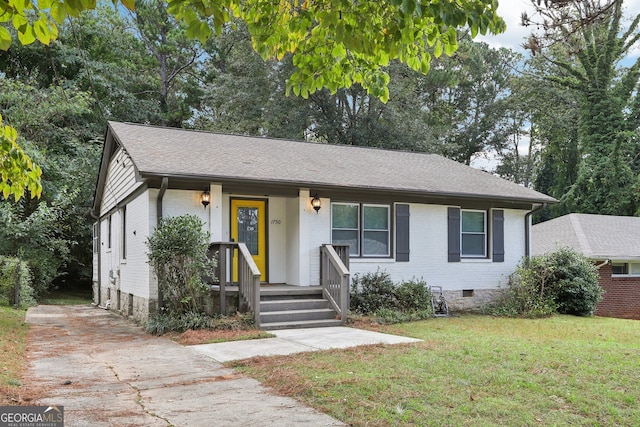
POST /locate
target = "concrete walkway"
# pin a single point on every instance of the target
(106, 371)
(290, 341)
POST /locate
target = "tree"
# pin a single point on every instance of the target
(174, 55)
(332, 45)
(593, 42)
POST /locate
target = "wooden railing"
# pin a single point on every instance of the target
(248, 276)
(334, 277)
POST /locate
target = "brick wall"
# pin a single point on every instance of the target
(621, 295)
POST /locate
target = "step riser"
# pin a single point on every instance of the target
(296, 315)
(294, 325)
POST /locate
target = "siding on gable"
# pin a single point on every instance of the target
(120, 181)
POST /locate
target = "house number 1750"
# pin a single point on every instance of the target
(276, 221)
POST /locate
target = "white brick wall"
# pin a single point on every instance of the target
(135, 271)
(428, 254)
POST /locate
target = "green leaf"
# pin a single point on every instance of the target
(5, 38)
(28, 36)
(41, 30)
(58, 12)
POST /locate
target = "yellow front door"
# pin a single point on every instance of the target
(248, 226)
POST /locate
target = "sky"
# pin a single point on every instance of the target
(514, 37)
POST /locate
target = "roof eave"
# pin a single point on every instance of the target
(329, 186)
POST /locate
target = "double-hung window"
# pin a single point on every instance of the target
(473, 233)
(364, 227)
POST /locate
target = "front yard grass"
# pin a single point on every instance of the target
(473, 370)
(13, 332)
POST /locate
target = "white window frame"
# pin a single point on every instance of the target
(361, 230)
(123, 233)
(484, 233)
(632, 269)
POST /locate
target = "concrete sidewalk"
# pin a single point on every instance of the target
(289, 341)
(106, 371)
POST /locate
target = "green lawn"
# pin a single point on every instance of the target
(75, 296)
(13, 332)
(474, 370)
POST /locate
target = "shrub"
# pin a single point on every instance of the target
(161, 323)
(413, 295)
(372, 292)
(562, 281)
(376, 294)
(178, 254)
(10, 270)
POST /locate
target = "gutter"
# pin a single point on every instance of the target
(527, 229)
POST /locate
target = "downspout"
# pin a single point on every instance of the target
(163, 189)
(527, 229)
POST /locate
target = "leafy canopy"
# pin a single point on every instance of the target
(334, 43)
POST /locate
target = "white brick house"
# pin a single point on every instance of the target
(413, 215)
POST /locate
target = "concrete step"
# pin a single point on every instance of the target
(293, 304)
(301, 324)
(297, 315)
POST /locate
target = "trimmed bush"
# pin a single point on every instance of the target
(372, 292)
(178, 254)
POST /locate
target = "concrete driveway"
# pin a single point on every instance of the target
(106, 371)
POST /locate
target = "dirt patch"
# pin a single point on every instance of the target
(207, 336)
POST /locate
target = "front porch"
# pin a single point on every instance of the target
(282, 306)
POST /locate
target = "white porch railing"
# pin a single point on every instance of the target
(248, 276)
(334, 277)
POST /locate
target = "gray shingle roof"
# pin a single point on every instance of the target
(595, 236)
(179, 152)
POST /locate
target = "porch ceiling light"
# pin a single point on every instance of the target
(315, 202)
(205, 198)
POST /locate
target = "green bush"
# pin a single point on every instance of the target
(375, 294)
(372, 292)
(163, 322)
(178, 254)
(413, 295)
(574, 282)
(11, 269)
(562, 281)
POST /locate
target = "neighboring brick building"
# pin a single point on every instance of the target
(612, 243)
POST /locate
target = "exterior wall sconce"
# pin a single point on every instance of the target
(205, 198)
(315, 202)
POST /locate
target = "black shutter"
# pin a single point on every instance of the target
(402, 233)
(454, 234)
(497, 229)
